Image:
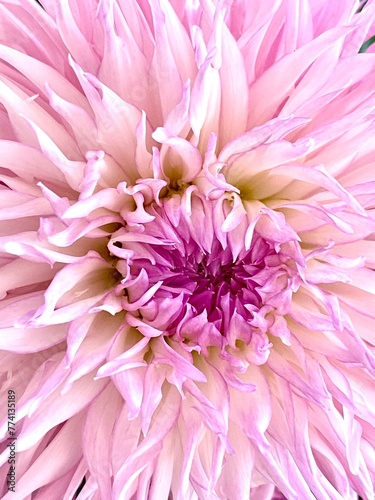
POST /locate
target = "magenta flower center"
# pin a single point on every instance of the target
(218, 284)
(210, 282)
(177, 281)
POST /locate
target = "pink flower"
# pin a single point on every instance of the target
(187, 249)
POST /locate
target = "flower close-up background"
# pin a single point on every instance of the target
(187, 249)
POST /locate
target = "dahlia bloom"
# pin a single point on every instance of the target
(187, 249)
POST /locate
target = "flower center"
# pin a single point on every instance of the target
(213, 283)
(209, 282)
(181, 278)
